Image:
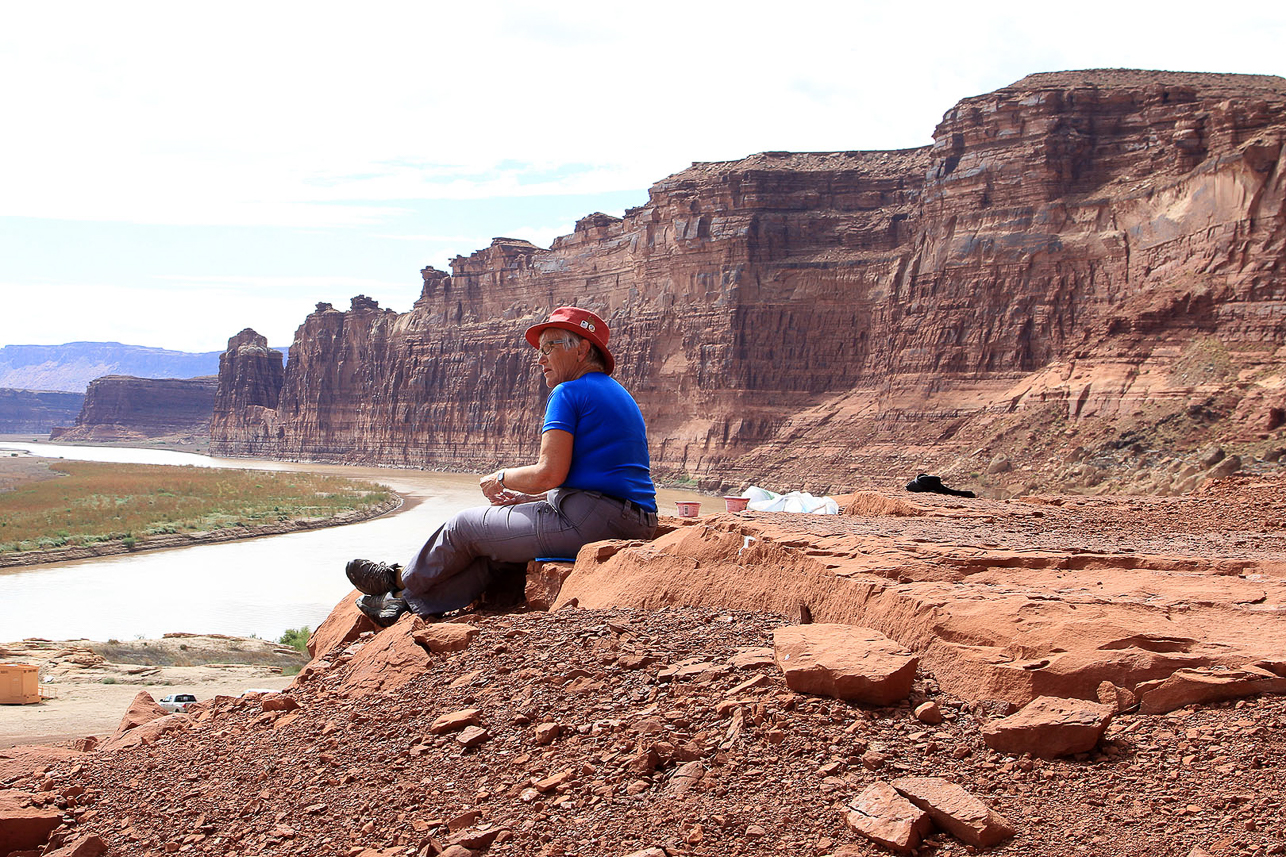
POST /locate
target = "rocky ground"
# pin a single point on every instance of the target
(671, 729)
(358, 765)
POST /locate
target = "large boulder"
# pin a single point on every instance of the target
(844, 662)
(388, 661)
(142, 710)
(344, 625)
(1049, 727)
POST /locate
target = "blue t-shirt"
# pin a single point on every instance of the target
(609, 440)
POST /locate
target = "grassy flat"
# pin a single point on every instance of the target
(97, 502)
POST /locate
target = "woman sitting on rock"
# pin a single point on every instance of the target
(591, 481)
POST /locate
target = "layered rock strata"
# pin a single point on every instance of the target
(1081, 280)
(120, 406)
(37, 411)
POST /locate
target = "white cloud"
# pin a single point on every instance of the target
(186, 313)
(333, 115)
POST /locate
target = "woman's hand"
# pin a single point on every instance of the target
(530, 481)
(492, 488)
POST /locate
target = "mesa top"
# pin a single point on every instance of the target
(609, 440)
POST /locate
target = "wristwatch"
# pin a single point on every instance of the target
(500, 478)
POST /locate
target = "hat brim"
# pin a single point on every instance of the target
(534, 332)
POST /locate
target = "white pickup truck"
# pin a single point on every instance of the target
(177, 701)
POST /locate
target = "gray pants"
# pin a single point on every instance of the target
(457, 563)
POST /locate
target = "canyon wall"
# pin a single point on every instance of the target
(1079, 285)
(120, 407)
(36, 410)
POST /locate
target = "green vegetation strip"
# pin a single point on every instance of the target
(130, 503)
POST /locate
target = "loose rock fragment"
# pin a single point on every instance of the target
(1117, 698)
(956, 811)
(884, 816)
(445, 636)
(928, 712)
(472, 736)
(845, 662)
(455, 721)
(1048, 727)
(1188, 686)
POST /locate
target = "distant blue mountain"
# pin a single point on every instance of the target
(71, 366)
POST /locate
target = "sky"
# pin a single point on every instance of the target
(171, 173)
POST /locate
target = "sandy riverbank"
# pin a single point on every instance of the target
(91, 683)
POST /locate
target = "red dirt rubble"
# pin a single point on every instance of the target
(700, 764)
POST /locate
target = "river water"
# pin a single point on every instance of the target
(259, 586)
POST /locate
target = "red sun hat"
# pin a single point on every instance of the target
(580, 321)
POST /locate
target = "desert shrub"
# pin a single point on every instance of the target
(296, 637)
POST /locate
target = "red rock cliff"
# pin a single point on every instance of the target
(124, 406)
(1082, 279)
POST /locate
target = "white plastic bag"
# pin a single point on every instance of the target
(762, 500)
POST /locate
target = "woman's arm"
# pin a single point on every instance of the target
(549, 471)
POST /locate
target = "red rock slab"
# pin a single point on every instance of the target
(143, 709)
(147, 733)
(456, 720)
(445, 636)
(344, 625)
(24, 827)
(544, 582)
(279, 702)
(25, 759)
(388, 661)
(1004, 623)
(882, 815)
(473, 736)
(88, 845)
(956, 811)
(1189, 686)
(844, 662)
(1049, 727)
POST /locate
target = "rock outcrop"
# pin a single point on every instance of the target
(1177, 601)
(123, 407)
(37, 411)
(1080, 283)
(250, 380)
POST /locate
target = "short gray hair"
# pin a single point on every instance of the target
(595, 355)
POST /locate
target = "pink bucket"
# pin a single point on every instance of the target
(736, 504)
(688, 509)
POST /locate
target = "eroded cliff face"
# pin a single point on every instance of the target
(1079, 282)
(250, 379)
(37, 410)
(120, 406)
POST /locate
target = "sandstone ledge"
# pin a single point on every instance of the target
(182, 540)
(1000, 600)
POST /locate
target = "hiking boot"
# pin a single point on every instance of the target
(373, 578)
(383, 609)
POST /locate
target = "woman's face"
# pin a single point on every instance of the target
(563, 362)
